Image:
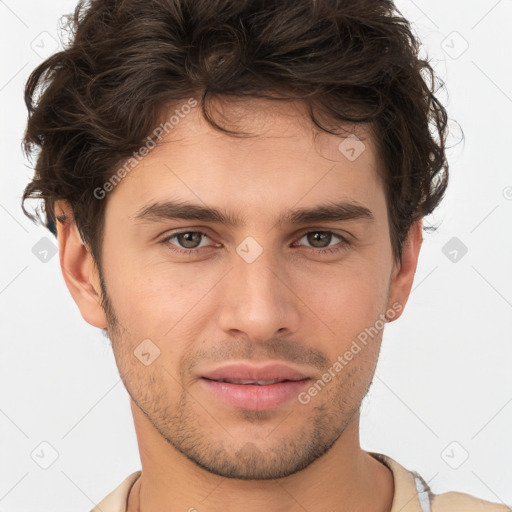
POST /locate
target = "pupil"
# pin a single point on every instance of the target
(189, 240)
(319, 238)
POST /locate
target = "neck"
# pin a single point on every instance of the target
(344, 479)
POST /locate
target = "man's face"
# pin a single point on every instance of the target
(268, 289)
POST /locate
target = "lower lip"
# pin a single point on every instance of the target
(254, 397)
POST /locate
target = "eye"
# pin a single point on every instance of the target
(323, 241)
(186, 241)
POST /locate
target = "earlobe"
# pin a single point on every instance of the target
(78, 267)
(403, 274)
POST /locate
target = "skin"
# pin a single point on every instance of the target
(292, 304)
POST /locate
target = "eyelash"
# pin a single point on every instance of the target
(327, 250)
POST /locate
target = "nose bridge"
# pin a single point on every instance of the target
(258, 303)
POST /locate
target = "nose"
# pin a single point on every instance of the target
(258, 300)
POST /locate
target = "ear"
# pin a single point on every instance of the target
(78, 267)
(403, 273)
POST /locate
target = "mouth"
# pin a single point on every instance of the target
(252, 382)
(254, 388)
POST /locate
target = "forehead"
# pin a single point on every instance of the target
(264, 123)
(283, 160)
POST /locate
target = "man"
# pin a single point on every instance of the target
(238, 190)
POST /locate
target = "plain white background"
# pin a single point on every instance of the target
(441, 402)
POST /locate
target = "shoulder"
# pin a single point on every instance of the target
(413, 494)
(117, 500)
(460, 502)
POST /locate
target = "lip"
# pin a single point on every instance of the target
(255, 397)
(244, 371)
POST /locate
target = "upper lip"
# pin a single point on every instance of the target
(245, 371)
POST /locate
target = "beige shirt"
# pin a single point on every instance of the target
(412, 494)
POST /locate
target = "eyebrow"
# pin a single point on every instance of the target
(182, 210)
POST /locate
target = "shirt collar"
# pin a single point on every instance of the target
(411, 493)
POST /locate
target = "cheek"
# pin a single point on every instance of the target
(156, 299)
(346, 297)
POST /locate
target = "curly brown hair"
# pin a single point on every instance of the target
(349, 61)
